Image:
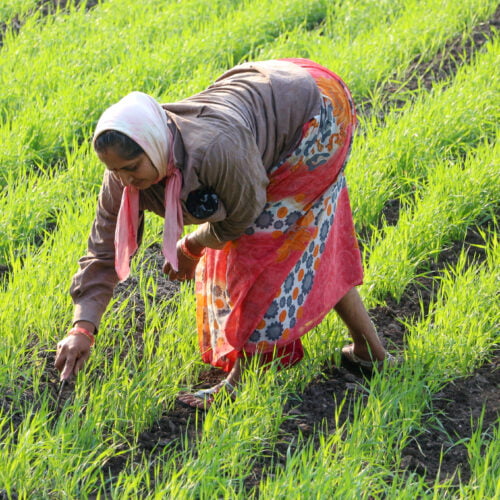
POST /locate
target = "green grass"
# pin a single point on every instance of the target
(440, 213)
(447, 124)
(15, 8)
(38, 124)
(437, 156)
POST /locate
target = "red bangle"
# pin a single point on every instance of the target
(79, 330)
(187, 253)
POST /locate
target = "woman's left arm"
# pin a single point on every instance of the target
(233, 168)
(189, 252)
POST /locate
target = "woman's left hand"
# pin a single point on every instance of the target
(187, 266)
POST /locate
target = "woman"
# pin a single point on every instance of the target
(256, 160)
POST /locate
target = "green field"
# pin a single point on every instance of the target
(423, 177)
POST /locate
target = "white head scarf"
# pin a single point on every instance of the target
(143, 120)
(140, 117)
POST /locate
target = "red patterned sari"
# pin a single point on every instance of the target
(263, 291)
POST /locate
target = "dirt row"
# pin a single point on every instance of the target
(457, 52)
(456, 405)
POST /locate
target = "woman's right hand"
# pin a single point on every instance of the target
(72, 352)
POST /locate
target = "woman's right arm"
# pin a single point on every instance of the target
(93, 284)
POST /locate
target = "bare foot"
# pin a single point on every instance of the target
(204, 398)
(362, 351)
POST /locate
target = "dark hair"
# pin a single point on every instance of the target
(123, 144)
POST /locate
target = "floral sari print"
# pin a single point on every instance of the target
(263, 291)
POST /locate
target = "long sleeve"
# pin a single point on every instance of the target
(234, 170)
(92, 286)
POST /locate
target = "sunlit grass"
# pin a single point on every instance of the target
(484, 448)
(10, 9)
(370, 44)
(461, 329)
(437, 156)
(440, 213)
(391, 160)
(68, 53)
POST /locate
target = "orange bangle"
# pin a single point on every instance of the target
(187, 253)
(79, 330)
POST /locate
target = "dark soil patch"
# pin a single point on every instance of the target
(446, 62)
(165, 290)
(458, 408)
(4, 274)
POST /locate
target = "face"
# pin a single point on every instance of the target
(138, 172)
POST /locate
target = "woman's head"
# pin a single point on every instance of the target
(126, 158)
(133, 139)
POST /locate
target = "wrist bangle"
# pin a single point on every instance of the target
(187, 253)
(78, 330)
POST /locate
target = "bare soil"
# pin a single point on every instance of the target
(423, 73)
